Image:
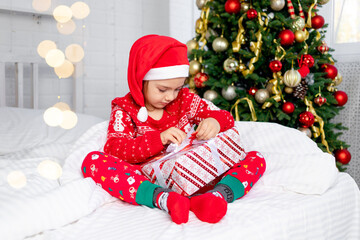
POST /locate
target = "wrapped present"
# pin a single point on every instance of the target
(194, 164)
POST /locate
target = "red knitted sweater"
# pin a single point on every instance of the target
(134, 141)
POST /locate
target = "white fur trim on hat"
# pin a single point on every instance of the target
(142, 114)
(167, 72)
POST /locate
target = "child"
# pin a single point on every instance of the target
(159, 111)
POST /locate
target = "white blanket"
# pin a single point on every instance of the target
(294, 163)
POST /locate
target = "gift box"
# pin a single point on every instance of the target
(194, 164)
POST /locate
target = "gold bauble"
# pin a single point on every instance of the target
(220, 44)
(300, 36)
(337, 80)
(201, 3)
(322, 2)
(292, 78)
(193, 91)
(244, 7)
(269, 87)
(210, 95)
(306, 131)
(261, 95)
(277, 5)
(191, 44)
(231, 65)
(194, 67)
(191, 83)
(298, 24)
(288, 90)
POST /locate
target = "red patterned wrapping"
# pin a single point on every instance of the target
(196, 165)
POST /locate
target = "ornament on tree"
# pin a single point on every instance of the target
(341, 98)
(298, 24)
(330, 70)
(301, 90)
(191, 45)
(210, 95)
(275, 66)
(310, 79)
(288, 107)
(231, 65)
(229, 93)
(251, 13)
(191, 83)
(245, 6)
(291, 9)
(201, 3)
(306, 119)
(287, 37)
(342, 156)
(200, 79)
(307, 60)
(323, 48)
(194, 67)
(320, 100)
(322, 2)
(306, 131)
(277, 5)
(192, 90)
(288, 90)
(261, 95)
(252, 91)
(304, 71)
(337, 80)
(211, 32)
(292, 78)
(232, 6)
(300, 36)
(317, 22)
(220, 44)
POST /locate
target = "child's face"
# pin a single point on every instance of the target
(159, 93)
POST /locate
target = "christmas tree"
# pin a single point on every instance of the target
(267, 60)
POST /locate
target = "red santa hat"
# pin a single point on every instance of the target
(154, 57)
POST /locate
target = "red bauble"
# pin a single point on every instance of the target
(288, 107)
(232, 6)
(287, 37)
(323, 48)
(307, 60)
(306, 119)
(252, 91)
(275, 66)
(330, 70)
(317, 22)
(343, 156)
(200, 78)
(341, 97)
(304, 71)
(251, 13)
(320, 100)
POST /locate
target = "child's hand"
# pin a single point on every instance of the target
(172, 135)
(208, 128)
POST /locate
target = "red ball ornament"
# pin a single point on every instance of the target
(275, 66)
(252, 91)
(307, 60)
(287, 37)
(330, 70)
(306, 119)
(200, 78)
(341, 97)
(288, 107)
(320, 100)
(317, 22)
(323, 48)
(343, 156)
(251, 13)
(232, 6)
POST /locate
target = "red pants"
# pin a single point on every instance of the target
(122, 180)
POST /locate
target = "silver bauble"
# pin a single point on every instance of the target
(292, 78)
(322, 2)
(191, 44)
(298, 24)
(277, 5)
(231, 65)
(306, 131)
(261, 95)
(210, 95)
(201, 3)
(229, 92)
(220, 44)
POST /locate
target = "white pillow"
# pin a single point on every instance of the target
(22, 128)
(293, 161)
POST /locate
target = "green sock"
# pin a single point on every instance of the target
(145, 194)
(231, 188)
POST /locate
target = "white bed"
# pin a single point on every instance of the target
(301, 195)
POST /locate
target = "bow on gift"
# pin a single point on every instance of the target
(184, 147)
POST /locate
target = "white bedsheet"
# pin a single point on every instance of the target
(274, 209)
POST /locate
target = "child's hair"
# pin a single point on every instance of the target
(154, 57)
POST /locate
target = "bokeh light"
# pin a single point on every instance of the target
(62, 14)
(66, 28)
(80, 10)
(74, 53)
(70, 120)
(49, 169)
(45, 46)
(55, 58)
(62, 106)
(53, 116)
(41, 5)
(16, 179)
(65, 70)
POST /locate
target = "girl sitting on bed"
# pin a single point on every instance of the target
(159, 111)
